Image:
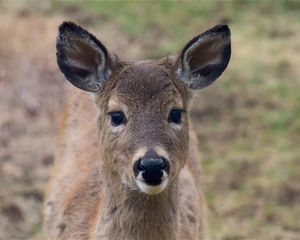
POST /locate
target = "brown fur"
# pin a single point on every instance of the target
(80, 201)
(93, 193)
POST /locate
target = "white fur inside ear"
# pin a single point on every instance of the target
(190, 81)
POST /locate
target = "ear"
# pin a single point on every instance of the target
(205, 57)
(82, 58)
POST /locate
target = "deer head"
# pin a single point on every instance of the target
(143, 105)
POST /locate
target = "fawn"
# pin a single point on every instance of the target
(127, 166)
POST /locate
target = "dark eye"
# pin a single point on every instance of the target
(117, 118)
(175, 116)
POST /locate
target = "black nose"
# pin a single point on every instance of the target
(152, 169)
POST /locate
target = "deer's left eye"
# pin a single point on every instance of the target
(117, 118)
(175, 116)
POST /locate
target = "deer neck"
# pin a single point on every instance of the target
(130, 214)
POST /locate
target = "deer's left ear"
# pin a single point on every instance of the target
(205, 57)
(82, 58)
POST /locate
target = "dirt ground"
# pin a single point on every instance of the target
(31, 95)
(251, 177)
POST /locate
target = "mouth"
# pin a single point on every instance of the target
(152, 188)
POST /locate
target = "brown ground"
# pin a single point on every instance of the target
(30, 98)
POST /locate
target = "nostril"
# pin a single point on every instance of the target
(165, 165)
(151, 169)
(140, 167)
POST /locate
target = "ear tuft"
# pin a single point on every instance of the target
(205, 57)
(82, 57)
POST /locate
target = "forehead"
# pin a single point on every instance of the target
(147, 83)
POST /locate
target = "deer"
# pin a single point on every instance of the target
(127, 165)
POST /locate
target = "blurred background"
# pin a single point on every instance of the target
(247, 122)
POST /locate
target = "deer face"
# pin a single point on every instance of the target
(143, 123)
(145, 127)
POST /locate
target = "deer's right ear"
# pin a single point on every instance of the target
(205, 57)
(82, 58)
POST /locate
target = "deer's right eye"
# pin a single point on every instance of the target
(117, 118)
(175, 116)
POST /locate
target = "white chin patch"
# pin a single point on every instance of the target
(152, 190)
